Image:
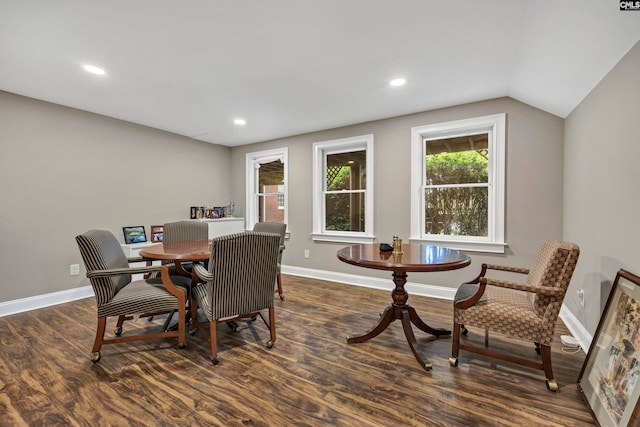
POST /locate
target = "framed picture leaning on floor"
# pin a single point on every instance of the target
(609, 376)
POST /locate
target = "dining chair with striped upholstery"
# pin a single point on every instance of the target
(281, 229)
(238, 283)
(118, 296)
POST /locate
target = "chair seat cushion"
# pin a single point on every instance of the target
(142, 296)
(506, 311)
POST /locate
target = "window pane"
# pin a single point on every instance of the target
(346, 171)
(271, 173)
(459, 160)
(457, 211)
(268, 209)
(344, 212)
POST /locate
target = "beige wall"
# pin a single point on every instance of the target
(63, 171)
(534, 185)
(602, 175)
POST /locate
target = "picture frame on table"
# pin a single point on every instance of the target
(609, 380)
(134, 234)
(156, 232)
(218, 212)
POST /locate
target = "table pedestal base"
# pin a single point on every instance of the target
(401, 310)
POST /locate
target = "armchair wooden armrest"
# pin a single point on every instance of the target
(179, 292)
(120, 271)
(510, 285)
(507, 268)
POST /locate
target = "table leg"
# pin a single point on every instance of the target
(386, 318)
(411, 339)
(401, 310)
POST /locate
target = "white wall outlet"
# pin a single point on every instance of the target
(581, 297)
(74, 269)
(306, 254)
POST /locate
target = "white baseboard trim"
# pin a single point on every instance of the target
(440, 292)
(576, 328)
(40, 301)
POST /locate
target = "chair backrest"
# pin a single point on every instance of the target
(244, 268)
(180, 231)
(100, 250)
(272, 227)
(553, 267)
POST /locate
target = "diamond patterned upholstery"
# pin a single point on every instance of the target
(527, 310)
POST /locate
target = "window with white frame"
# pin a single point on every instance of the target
(343, 190)
(458, 181)
(267, 186)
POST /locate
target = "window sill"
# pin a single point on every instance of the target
(342, 238)
(471, 246)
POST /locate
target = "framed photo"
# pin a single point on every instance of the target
(609, 376)
(218, 212)
(134, 234)
(194, 212)
(157, 231)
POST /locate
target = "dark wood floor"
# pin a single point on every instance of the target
(311, 377)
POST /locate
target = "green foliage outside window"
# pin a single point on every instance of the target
(457, 211)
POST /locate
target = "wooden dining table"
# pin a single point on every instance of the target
(187, 250)
(179, 252)
(416, 257)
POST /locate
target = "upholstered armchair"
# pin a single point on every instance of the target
(281, 229)
(116, 295)
(238, 283)
(181, 231)
(527, 310)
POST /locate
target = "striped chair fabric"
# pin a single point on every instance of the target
(281, 229)
(238, 282)
(527, 310)
(116, 295)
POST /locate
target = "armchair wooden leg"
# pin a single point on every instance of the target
(272, 327)
(213, 342)
(455, 344)
(97, 344)
(545, 352)
(279, 280)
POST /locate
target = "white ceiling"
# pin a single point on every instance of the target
(295, 66)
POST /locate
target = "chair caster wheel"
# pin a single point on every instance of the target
(552, 385)
(95, 357)
(453, 361)
(118, 331)
(281, 297)
(463, 330)
(182, 345)
(269, 344)
(215, 360)
(428, 366)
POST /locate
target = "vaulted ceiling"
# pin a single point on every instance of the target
(295, 66)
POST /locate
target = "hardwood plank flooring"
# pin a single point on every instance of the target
(311, 377)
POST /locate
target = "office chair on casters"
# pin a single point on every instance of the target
(281, 229)
(180, 231)
(237, 284)
(527, 310)
(117, 296)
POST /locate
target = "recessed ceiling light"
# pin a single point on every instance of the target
(93, 69)
(240, 122)
(397, 82)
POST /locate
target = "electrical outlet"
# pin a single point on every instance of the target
(74, 269)
(581, 297)
(306, 254)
